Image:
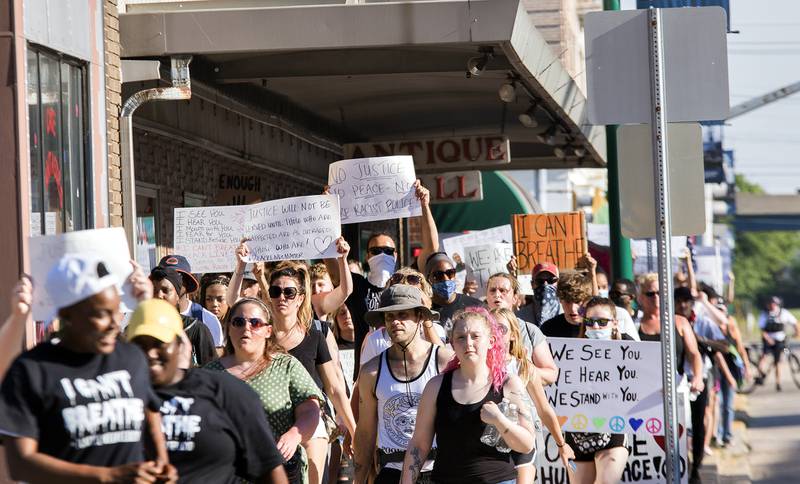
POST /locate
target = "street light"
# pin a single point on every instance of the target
(528, 118)
(508, 92)
(476, 65)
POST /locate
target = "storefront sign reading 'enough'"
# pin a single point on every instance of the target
(440, 153)
(559, 238)
(371, 189)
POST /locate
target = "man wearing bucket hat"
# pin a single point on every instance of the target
(51, 394)
(214, 425)
(391, 384)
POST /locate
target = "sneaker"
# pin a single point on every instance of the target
(759, 380)
(707, 451)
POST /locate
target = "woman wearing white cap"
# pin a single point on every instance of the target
(77, 409)
(214, 425)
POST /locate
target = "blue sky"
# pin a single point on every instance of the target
(764, 56)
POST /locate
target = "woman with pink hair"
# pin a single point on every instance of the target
(458, 404)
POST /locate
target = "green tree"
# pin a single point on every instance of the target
(762, 258)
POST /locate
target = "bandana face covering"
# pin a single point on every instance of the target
(546, 302)
(381, 268)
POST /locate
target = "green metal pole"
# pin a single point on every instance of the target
(621, 261)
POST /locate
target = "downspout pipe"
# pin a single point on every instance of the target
(181, 89)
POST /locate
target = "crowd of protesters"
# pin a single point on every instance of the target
(282, 372)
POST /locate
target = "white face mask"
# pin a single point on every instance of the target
(381, 268)
(604, 333)
(602, 292)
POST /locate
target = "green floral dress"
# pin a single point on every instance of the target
(281, 386)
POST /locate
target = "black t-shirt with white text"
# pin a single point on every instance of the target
(365, 297)
(559, 327)
(83, 408)
(216, 430)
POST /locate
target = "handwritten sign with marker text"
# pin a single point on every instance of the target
(485, 260)
(610, 386)
(293, 228)
(208, 236)
(559, 238)
(371, 189)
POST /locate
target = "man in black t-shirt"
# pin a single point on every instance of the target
(81, 406)
(574, 289)
(441, 273)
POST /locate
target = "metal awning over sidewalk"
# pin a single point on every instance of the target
(389, 71)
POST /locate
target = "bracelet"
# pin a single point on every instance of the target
(561, 445)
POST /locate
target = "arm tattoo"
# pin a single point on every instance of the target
(416, 466)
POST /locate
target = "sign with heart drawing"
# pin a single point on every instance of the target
(284, 229)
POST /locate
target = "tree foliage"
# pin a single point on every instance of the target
(762, 260)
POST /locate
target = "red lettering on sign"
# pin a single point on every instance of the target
(451, 155)
(53, 169)
(462, 188)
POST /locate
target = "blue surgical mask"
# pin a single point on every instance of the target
(604, 333)
(602, 292)
(444, 289)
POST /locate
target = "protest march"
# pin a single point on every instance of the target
(501, 355)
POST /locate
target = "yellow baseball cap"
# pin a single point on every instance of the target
(155, 318)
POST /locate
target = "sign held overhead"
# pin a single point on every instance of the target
(559, 238)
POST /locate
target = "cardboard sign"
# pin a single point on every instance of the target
(607, 386)
(110, 245)
(559, 238)
(208, 236)
(293, 228)
(646, 460)
(485, 260)
(454, 187)
(440, 154)
(371, 189)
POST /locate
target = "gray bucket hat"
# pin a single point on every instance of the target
(398, 298)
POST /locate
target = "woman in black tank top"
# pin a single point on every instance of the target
(457, 405)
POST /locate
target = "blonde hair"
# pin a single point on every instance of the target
(318, 271)
(299, 272)
(646, 279)
(516, 349)
(424, 285)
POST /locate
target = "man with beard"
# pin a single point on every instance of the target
(391, 384)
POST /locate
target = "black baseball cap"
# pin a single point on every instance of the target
(180, 264)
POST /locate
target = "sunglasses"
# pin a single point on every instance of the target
(411, 279)
(255, 323)
(651, 294)
(381, 250)
(601, 322)
(288, 292)
(544, 280)
(440, 275)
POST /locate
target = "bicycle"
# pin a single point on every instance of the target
(754, 353)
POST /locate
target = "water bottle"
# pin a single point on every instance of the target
(491, 436)
(511, 414)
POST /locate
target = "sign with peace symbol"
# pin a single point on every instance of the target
(580, 421)
(617, 424)
(653, 425)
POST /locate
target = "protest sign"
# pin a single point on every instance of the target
(646, 460)
(293, 228)
(208, 236)
(454, 247)
(347, 359)
(559, 238)
(371, 189)
(484, 260)
(609, 386)
(109, 245)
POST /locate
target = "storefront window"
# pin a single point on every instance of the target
(56, 112)
(146, 226)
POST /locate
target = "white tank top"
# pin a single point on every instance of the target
(398, 401)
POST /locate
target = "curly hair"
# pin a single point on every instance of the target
(574, 287)
(318, 271)
(496, 356)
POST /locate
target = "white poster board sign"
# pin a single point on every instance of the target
(109, 245)
(607, 386)
(484, 260)
(454, 247)
(646, 460)
(208, 236)
(371, 189)
(293, 228)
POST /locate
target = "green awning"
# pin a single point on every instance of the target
(502, 198)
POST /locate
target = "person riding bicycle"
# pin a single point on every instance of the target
(773, 323)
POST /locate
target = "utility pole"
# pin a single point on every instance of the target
(621, 261)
